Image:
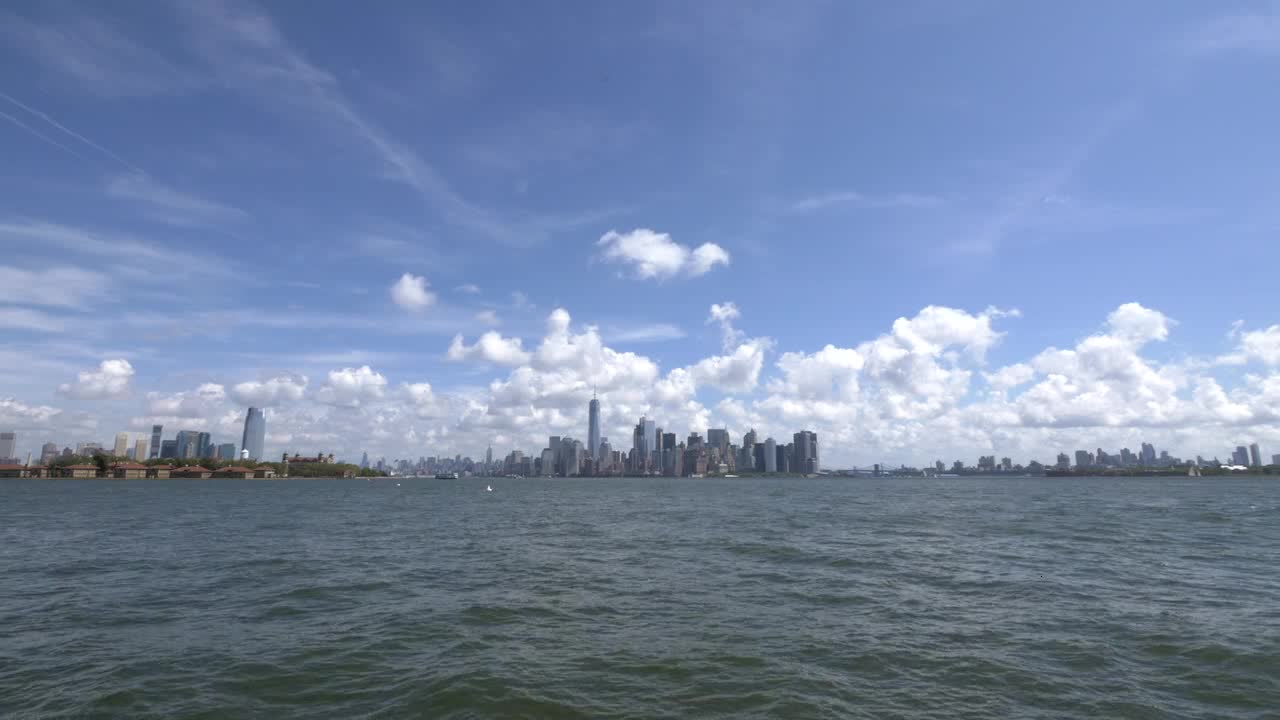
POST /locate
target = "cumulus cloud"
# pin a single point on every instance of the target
(18, 415)
(1262, 345)
(352, 387)
(491, 347)
(410, 292)
(197, 403)
(270, 392)
(655, 255)
(109, 380)
(738, 371)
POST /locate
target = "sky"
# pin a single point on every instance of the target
(924, 230)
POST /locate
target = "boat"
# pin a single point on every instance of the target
(446, 476)
(1193, 471)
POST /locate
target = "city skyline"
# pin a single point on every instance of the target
(856, 218)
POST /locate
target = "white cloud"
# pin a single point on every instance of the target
(410, 292)
(469, 289)
(488, 317)
(738, 371)
(202, 401)
(860, 200)
(655, 255)
(352, 387)
(655, 332)
(1136, 324)
(1263, 345)
(17, 415)
(110, 380)
(270, 392)
(491, 347)
(724, 315)
(170, 206)
(1239, 32)
(66, 287)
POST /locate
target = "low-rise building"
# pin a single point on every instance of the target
(192, 472)
(265, 472)
(159, 472)
(79, 471)
(128, 471)
(14, 471)
(241, 473)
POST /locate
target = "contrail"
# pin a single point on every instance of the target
(40, 135)
(72, 133)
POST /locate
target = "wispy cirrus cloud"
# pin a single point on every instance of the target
(160, 262)
(1255, 32)
(96, 56)
(168, 205)
(854, 199)
(63, 287)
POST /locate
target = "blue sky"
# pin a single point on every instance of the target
(227, 198)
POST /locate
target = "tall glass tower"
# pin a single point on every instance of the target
(255, 433)
(593, 429)
(155, 441)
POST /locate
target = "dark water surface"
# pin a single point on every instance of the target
(950, 598)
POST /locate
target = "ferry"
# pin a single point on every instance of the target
(446, 476)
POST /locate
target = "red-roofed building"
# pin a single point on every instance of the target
(128, 471)
(159, 472)
(241, 473)
(79, 471)
(192, 472)
(14, 471)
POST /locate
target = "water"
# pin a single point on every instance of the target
(949, 598)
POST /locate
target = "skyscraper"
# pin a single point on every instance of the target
(593, 428)
(227, 451)
(650, 435)
(805, 454)
(1240, 456)
(255, 433)
(8, 446)
(204, 446)
(48, 452)
(168, 449)
(1255, 455)
(187, 444)
(719, 438)
(770, 456)
(122, 445)
(1148, 455)
(155, 440)
(140, 449)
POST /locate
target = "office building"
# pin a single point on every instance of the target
(593, 428)
(168, 449)
(8, 446)
(122, 445)
(254, 437)
(1082, 459)
(187, 444)
(770, 455)
(155, 440)
(719, 438)
(805, 452)
(140, 449)
(1240, 456)
(1255, 455)
(48, 453)
(227, 451)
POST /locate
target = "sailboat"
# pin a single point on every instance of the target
(1193, 471)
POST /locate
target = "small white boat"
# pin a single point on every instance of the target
(488, 488)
